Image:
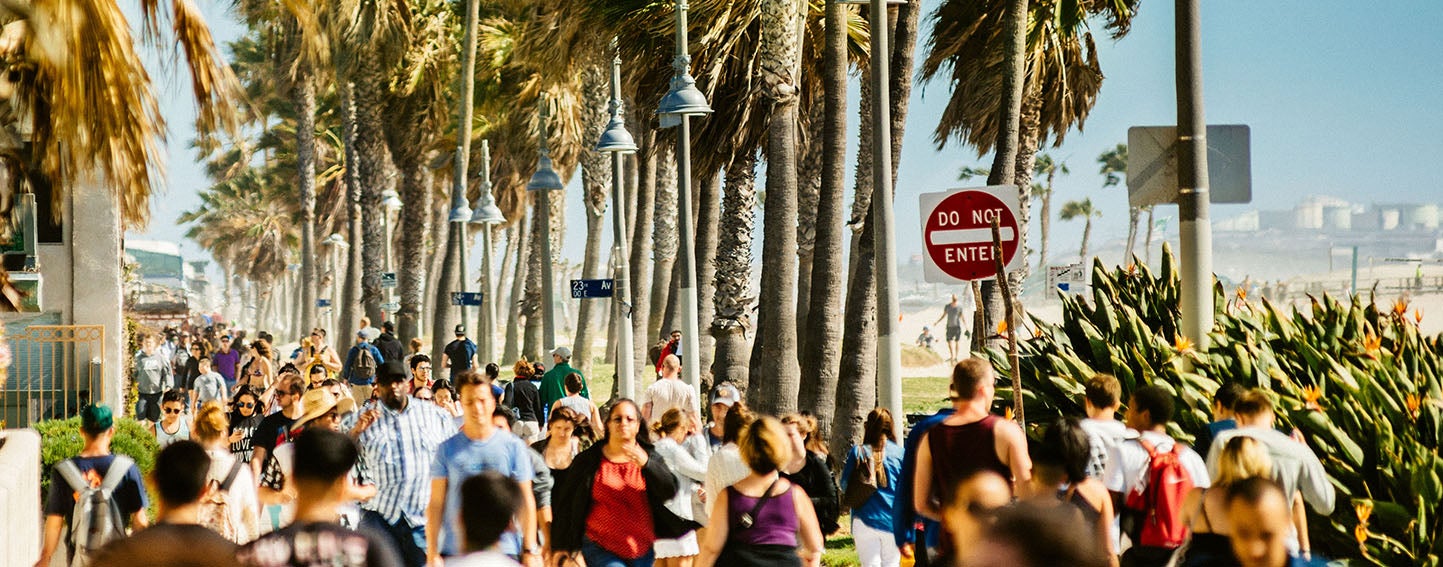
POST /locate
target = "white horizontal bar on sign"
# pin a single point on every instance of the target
(970, 236)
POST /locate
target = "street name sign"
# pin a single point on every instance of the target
(1152, 165)
(583, 289)
(1071, 278)
(388, 280)
(466, 298)
(391, 307)
(957, 233)
(323, 303)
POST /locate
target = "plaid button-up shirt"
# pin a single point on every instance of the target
(396, 455)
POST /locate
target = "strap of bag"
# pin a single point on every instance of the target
(71, 474)
(230, 478)
(118, 469)
(750, 517)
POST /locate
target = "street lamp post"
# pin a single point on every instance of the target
(543, 182)
(487, 214)
(337, 245)
(889, 349)
(682, 102)
(619, 142)
(390, 205)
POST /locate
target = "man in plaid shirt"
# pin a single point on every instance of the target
(398, 441)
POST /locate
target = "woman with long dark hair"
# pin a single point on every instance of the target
(877, 462)
(560, 446)
(245, 415)
(1059, 475)
(612, 508)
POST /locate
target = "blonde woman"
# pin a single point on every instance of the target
(763, 520)
(671, 431)
(1205, 509)
(212, 431)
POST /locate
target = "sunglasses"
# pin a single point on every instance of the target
(171, 410)
(245, 405)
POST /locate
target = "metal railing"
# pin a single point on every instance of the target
(54, 371)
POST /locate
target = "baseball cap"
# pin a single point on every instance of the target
(96, 419)
(391, 372)
(460, 330)
(563, 352)
(725, 394)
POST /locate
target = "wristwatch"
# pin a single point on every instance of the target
(531, 551)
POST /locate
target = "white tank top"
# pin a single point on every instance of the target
(182, 433)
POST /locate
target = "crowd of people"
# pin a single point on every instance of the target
(365, 459)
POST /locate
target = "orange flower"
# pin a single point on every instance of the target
(1400, 307)
(1414, 403)
(1311, 395)
(1418, 315)
(1364, 510)
(1008, 414)
(1242, 293)
(1002, 327)
(1372, 344)
(1182, 344)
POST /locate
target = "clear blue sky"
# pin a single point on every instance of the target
(1342, 100)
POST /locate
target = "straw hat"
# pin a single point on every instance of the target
(319, 402)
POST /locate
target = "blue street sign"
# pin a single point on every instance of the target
(466, 298)
(323, 303)
(388, 280)
(581, 289)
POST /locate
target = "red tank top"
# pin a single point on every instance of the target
(957, 452)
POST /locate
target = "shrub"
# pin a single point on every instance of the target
(60, 440)
(1360, 382)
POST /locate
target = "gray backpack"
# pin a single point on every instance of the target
(96, 519)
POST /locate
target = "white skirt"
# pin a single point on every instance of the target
(684, 546)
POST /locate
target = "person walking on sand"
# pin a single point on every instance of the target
(952, 312)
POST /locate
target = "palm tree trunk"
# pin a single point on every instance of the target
(733, 296)
(707, 229)
(809, 190)
(1027, 144)
(351, 292)
(439, 240)
(522, 239)
(821, 352)
(778, 346)
(857, 369)
(1046, 223)
(415, 214)
(503, 284)
(641, 245)
(531, 294)
(1133, 215)
(371, 148)
(1004, 163)
(664, 241)
(596, 181)
(1086, 236)
(305, 101)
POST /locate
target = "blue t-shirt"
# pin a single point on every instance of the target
(462, 457)
(877, 512)
(904, 515)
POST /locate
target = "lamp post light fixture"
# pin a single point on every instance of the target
(618, 142)
(543, 182)
(487, 214)
(337, 245)
(682, 102)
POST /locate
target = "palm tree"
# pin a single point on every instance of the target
(733, 298)
(972, 43)
(1113, 164)
(1084, 210)
(596, 182)
(1047, 168)
(76, 91)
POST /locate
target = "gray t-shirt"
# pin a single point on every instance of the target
(954, 314)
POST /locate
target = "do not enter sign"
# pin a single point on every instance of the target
(957, 233)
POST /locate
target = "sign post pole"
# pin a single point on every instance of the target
(1013, 361)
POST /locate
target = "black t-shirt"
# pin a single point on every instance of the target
(389, 346)
(168, 545)
(525, 397)
(319, 545)
(247, 427)
(191, 372)
(272, 430)
(129, 496)
(460, 352)
(816, 479)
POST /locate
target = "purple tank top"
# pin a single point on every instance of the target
(775, 524)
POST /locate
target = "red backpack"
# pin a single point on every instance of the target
(1159, 502)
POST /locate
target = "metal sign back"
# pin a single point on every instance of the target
(1152, 165)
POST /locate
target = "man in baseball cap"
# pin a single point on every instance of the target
(460, 354)
(553, 384)
(723, 397)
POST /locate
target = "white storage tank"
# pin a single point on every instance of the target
(1423, 217)
(1337, 217)
(1390, 218)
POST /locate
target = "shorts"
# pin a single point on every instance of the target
(954, 333)
(684, 546)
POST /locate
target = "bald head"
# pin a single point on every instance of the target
(670, 366)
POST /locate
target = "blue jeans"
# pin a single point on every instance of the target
(147, 406)
(409, 541)
(598, 557)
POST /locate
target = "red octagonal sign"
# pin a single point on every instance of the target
(957, 233)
